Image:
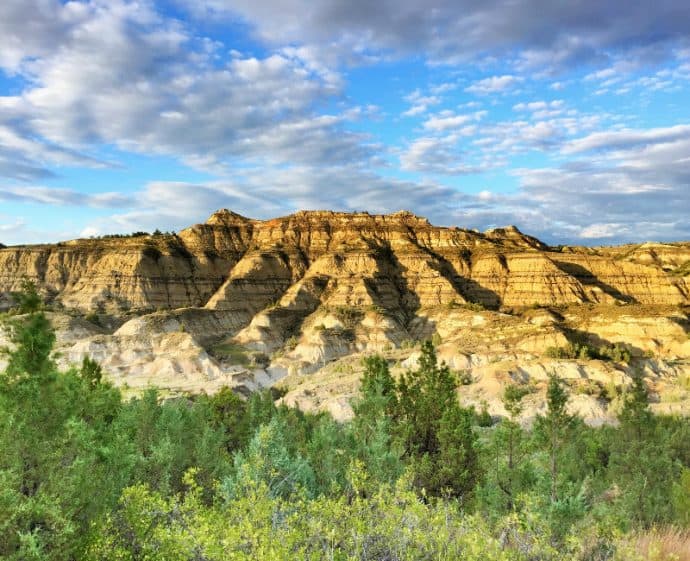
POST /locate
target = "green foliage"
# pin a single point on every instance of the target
(33, 338)
(233, 353)
(267, 462)
(91, 372)
(373, 422)
(455, 471)
(424, 395)
(681, 498)
(583, 351)
(484, 418)
(426, 423)
(512, 399)
(229, 414)
(471, 306)
(555, 424)
(85, 474)
(28, 299)
(348, 316)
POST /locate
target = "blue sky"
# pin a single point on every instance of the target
(570, 121)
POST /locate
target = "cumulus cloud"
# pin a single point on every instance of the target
(119, 73)
(437, 156)
(628, 138)
(276, 128)
(546, 33)
(494, 84)
(263, 194)
(420, 103)
(63, 197)
(448, 120)
(628, 185)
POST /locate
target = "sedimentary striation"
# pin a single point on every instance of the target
(398, 261)
(249, 302)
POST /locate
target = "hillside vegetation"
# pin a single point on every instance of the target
(87, 474)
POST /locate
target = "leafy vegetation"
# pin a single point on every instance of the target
(583, 351)
(85, 474)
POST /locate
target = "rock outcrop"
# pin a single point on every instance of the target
(245, 303)
(397, 261)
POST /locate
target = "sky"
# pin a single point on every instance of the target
(570, 120)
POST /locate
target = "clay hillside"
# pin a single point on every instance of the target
(297, 301)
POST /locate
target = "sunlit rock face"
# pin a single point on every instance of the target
(397, 261)
(246, 303)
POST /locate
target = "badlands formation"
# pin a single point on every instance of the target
(297, 301)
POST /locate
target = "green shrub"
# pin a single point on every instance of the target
(348, 316)
(465, 377)
(93, 317)
(584, 351)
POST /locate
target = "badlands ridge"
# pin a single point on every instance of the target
(297, 301)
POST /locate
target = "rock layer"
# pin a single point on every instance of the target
(246, 303)
(399, 262)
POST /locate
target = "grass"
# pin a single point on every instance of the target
(232, 352)
(471, 306)
(683, 270)
(658, 544)
(684, 381)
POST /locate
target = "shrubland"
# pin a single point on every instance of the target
(87, 474)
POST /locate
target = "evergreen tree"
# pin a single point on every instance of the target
(512, 401)
(229, 412)
(30, 362)
(642, 462)
(28, 299)
(457, 464)
(635, 416)
(555, 422)
(424, 395)
(373, 423)
(267, 463)
(435, 431)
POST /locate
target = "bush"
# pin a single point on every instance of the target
(584, 351)
(465, 377)
(28, 300)
(93, 317)
(348, 316)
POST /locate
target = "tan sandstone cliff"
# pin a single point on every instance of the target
(248, 303)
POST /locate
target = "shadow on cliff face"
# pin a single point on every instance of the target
(474, 292)
(408, 300)
(587, 278)
(469, 289)
(683, 322)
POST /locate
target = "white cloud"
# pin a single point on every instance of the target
(544, 35)
(447, 120)
(63, 197)
(627, 138)
(601, 231)
(420, 103)
(264, 194)
(123, 75)
(634, 189)
(437, 156)
(494, 84)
